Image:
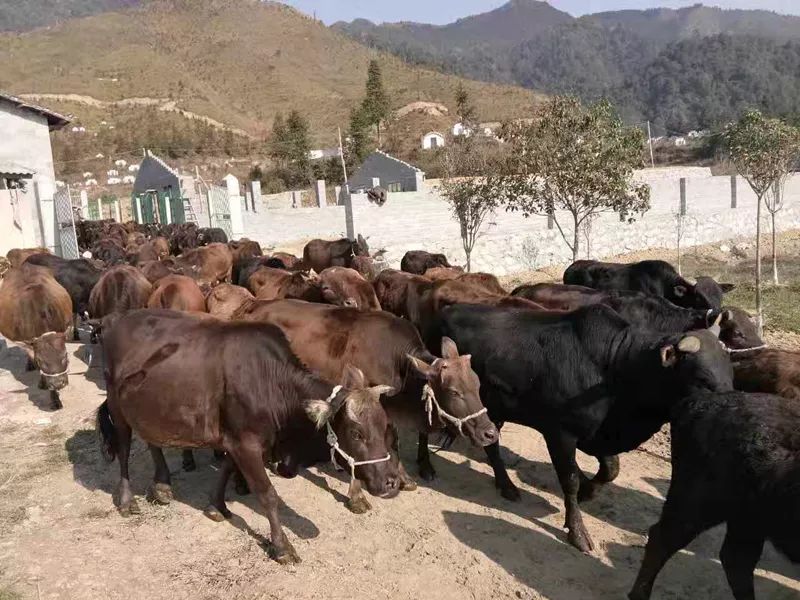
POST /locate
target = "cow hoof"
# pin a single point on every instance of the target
(427, 473)
(241, 487)
(217, 513)
(408, 485)
(581, 540)
(358, 506)
(131, 508)
(510, 492)
(55, 400)
(284, 556)
(42, 384)
(160, 493)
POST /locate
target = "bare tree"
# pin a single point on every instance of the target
(773, 200)
(683, 221)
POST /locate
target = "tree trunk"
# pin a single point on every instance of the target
(759, 308)
(680, 266)
(774, 252)
(469, 261)
(576, 240)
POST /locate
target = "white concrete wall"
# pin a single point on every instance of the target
(19, 220)
(25, 140)
(422, 220)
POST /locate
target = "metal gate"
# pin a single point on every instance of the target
(65, 223)
(219, 209)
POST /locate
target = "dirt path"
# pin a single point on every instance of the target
(60, 536)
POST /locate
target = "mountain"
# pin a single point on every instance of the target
(21, 15)
(652, 63)
(238, 62)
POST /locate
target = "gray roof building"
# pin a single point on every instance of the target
(387, 171)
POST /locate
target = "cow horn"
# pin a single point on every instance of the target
(716, 327)
(691, 281)
(689, 345)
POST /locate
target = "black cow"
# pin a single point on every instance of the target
(735, 460)
(244, 268)
(654, 277)
(78, 277)
(211, 235)
(419, 261)
(585, 380)
(709, 289)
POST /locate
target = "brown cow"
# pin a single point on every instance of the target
(210, 264)
(399, 292)
(290, 261)
(346, 287)
(389, 349)
(365, 265)
(17, 256)
(443, 273)
(122, 288)
(225, 300)
(321, 254)
(37, 312)
(177, 292)
(183, 381)
(244, 248)
(769, 371)
(486, 281)
(157, 269)
(417, 262)
(267, 283)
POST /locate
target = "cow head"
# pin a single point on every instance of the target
(346, 287)
(711, 292)
(362, 430)
(457, 390)
(738, 330)
(226, 299)
(50, 357)
(360, 247)
(696, 361)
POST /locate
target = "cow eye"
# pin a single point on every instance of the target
(357, 436)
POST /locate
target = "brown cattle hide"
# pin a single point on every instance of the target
(768, 371)
(154, 270)
(399, 292)
(210, 264)
(120, 289)
(346, 287)
(443, 273)
(17, 256)
(226, 300)
(267, 283)
(177, 292)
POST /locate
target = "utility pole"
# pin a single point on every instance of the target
(341, 155)
(650, 141)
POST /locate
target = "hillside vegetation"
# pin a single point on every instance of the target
(236, 61)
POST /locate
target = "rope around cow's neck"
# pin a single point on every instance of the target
(333, 442)
(429, 398)
(64, 372)
(740, 350)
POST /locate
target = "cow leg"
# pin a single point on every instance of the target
(76, 335)
(739, 555)
(562, 448)
(160, 491)
(127, 503)
(407, 484)
(217, 509)
(426, 470)
(30, 365)
(608, 472)
(188, 461)
(502, 481)
(240, 483)
(356, 500)
(248, 455)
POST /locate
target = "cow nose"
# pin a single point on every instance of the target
(392, 485)
(489, 436)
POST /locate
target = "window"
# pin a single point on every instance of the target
(395, 187)
(434, 142)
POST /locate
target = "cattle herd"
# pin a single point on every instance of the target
(288, 361)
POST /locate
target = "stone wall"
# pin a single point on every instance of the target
(512, 243)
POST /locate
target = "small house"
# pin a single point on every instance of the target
(133, 168)
(90, 182)
(120, 163)
(432, 140)
(388, 172)
(113, 181)
(460, 129)
(112, 173)
(680, 141)
(157, 193)
(128, 179)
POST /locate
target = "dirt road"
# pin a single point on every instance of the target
(60, 536)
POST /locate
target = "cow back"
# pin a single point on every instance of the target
(120, 289)
(32, 303)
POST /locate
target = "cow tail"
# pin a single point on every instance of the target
(107, 433)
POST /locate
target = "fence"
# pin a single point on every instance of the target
(720, 208)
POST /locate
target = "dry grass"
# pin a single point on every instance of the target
(238, 62)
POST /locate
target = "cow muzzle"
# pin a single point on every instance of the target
(54, 381)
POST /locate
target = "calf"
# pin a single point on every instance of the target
(154, 270)
(109, 251)
(78, 277)
(226, 300)
(37, 312)
(399, 292)
(243, 252)
(417, 262)
(211, 235)
(180, 380)
(769, 371)
(210, 264)
(267, 283)
(177, 292)
(321, 254)
(365, 266)
(586, 380)
(119, 290)
(341, 286)
(288, 261)
(654, 277)
(735, 460)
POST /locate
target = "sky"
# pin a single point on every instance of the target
(446, 11)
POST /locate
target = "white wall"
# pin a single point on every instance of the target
(422, 220)
(25, 140)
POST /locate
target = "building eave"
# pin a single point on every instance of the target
(54, 120)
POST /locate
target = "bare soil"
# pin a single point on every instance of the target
(61, 537)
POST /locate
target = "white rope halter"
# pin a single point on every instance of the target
(333, 442)
(429, 398)
(64, 372)
(740, 350)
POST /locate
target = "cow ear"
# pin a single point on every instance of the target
(318, 411)
(353, 378)
(421, 367)
(379, 390)
(727, 287)
(449, 348)
(669, 356)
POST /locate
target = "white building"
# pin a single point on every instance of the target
(113, 181)
(461, 129)
(87, 174)
(128, 179)
(112, 173)
(27, 176)
(432, 140)
(133, 168)
(90, 182)
(121, 163)
(680, 141)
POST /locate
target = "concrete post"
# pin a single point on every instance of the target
(255, 191)
(349, 221)
(99, 209)
(235, 205)
(168, 209)
(337, 192)
(139, 209)
(683, 196)
(319, 189)
(376, 181)
(44, 189)
(84, 204)
(734, 191)
(117, 211)
(550, 221)
(297, 199)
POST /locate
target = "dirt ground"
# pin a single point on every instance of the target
(61, 537)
